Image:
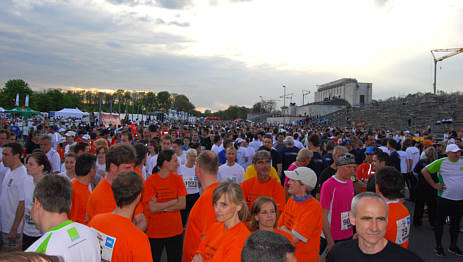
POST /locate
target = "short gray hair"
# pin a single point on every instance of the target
(45, 137)
(339, 148)
(289, 140)
(370, 195)
(261, 154)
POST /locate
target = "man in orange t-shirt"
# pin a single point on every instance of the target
(85, 172)
(202, 215)
(390, 184)
(121, 240)
(120, 158)
(366, 169)
(262, 184)
(140, 150)
(303, 215)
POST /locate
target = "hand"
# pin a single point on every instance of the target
(440, 186)
(197, 258)
(356, 235)
(330, 245)
(12, 236)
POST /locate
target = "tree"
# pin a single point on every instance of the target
(13, 87)
(182, 103)
(164, 100)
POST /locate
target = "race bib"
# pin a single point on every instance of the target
(191, 182)
(345, 222)
(107, 244)
(403, 230)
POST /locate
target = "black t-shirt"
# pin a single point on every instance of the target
(288, 156)
(350, 251)
(328, 158)
(317, 164)
(325, 175)
(276, 158)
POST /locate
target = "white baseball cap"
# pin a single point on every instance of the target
(304, 174)
(452, 148)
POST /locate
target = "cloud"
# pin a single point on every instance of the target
(185, 24)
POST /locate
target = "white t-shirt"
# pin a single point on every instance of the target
(181, 159)
(29, 225)
(189, 178)
(55, 160)
(251, 153)
(235, 173)
(413, 154)
(242, 156)
(403, 161)
(298, 144)
(255, 144)
(215, 149)
(385, 150)
(101, 167)
(70, 240)
(12, 194)
(151, 163)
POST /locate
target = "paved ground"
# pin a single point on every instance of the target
(422, 242)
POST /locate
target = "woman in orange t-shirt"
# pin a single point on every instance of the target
(264, 217)
(225, 240)
(163, 198)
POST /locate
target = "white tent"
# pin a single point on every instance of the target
(2, 109)
(69, 112)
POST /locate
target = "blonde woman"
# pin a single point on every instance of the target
(225, 239)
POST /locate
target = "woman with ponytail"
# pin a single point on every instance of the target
(163, 198)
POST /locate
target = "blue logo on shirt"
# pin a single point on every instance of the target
(109, 242)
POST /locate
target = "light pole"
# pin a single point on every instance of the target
(284, 96)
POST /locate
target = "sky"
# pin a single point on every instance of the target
(231, 52)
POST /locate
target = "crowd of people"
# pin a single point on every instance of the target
(224, 191)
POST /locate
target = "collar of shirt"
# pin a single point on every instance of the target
(302, 198)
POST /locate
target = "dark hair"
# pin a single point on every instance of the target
(127, 186)
(128, 134)
(165, 155)
(21, 256)
(314, 139)
(54, 193)
(84, 164)
(140, 150)
(390, 182)
(394, 144)
(166, 137)
(266, 246)
(16, 148)
(178, 141)
(4, 131)
(330, 145)
(41, 159)
(120, 154)
(216, 139)
(208, 161)
(227, 142)
(80, 146)
(382, 157)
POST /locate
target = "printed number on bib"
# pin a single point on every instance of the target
(403, 230)
(345, 222)
(191, 182)
(107, 244)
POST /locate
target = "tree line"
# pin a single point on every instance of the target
(123, 101)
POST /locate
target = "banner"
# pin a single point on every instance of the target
(107, 119)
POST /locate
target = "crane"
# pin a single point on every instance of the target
(304, 93)
(451, 52)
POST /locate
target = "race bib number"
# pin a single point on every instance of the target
(403, 230)
(107, 244)
(191, 182)
(345, 222)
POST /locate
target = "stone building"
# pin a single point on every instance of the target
(349, 89)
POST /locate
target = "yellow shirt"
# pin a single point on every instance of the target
(251, 172)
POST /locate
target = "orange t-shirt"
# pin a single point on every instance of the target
(398, 224)
(222, 244)
(285, 234)
(163, 224)
(102, 200)
(253, 189)
(80, 196)
(201, 217)
(304, 220)
(131, 244)
(139, 172)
